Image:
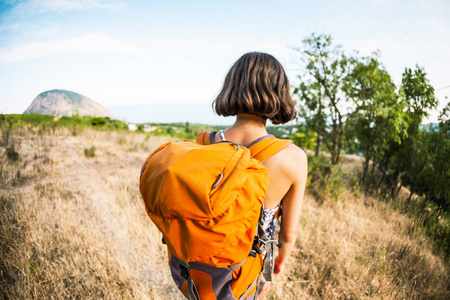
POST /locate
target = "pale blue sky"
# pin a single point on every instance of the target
(130, 55)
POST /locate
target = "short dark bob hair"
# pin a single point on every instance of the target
(256, 84)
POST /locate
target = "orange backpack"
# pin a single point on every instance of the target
(206, 199)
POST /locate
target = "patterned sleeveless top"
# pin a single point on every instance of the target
(270, 222)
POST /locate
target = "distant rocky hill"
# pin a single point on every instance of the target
(66, 103)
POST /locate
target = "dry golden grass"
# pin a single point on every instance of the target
(75, 227)
(72, 226)
(360, 249)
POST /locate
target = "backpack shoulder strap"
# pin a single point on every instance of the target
(203, 138)
(265, 148)
(261, 149)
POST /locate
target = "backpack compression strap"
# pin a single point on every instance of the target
(261, 149)
(203, 138)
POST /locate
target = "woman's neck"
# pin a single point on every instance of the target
(249, 122)
(246, 129)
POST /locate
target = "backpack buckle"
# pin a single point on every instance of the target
(255, 247)
(185, 271)
(234, 144)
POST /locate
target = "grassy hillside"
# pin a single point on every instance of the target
(73, 225)
(47, 122)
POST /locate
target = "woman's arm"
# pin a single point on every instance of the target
(292, 203)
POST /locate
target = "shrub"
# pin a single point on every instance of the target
(7, 126)
(89, 152)
(324, 180)
(98, 121)
(11, 153)
(140, 128)
(74, 130)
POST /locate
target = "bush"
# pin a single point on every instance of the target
(98, 121)
(11, 153)
(140, 128)
(324, 180)
(429, 219)
(6, 126)
(89, 152)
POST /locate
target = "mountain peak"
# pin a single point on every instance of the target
(66, 103)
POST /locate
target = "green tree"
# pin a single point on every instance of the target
(320, 91)
(304, 137)
(377, 117)
(418, 95)
(187, 129)
(429, 173)
(440, 190)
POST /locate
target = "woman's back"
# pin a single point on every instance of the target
(256, 89)
(287, 172)
(283, 168)
(224, 254)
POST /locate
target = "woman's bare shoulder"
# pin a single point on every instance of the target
(295, 151)
(295, 159)
(292, 160)
(293, 156)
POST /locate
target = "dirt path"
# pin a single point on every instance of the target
(109, 184)
(99, 197)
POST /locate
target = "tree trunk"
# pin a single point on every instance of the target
(318, 142)
(394, 184)
(365, 169)
(367, 157)
(372, 172)
(333, 157)
(340, 136)
(382, 179)
(385, 168)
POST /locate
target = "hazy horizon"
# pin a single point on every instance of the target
(168, 113)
